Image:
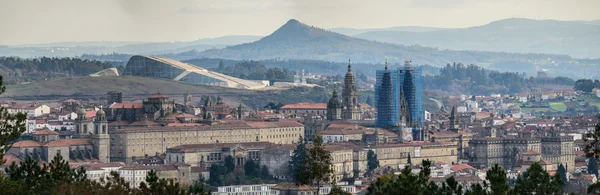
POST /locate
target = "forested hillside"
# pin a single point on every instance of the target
(17, 70)
(471, 79)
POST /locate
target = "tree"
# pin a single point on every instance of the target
(476, 189)
(318, 168)
(336, 190)
(229, 164)
(264, 173)
(197, 188)
(409, 183)
(252, 168)
(497, 178)
(11, 126)
(372, 162)
(592, 166)
(537, 180)
(298, 159)
(594, 188)
(562, 172)
(409, 160)
(217, 172)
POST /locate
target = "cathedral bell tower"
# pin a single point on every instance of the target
(101, 138)
(350, 97)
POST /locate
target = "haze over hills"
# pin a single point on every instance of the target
(578, 39)
(356, 31)
(72, 49)
(295, 40)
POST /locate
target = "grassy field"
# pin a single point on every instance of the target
(558, 106)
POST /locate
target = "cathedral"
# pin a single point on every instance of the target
(350, 109)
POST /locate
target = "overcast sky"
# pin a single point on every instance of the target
(44, 21)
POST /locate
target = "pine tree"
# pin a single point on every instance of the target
(318, 170)
(593, 166)
(562, 172)
(372, 162)
(497, 178)
(298, 159)
(11, 126)
(537, 180)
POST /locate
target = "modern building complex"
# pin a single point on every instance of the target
(147, 66)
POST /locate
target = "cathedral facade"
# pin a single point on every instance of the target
(350, 108)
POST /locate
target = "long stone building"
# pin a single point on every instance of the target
(131, 142)
(349, 159)
(485, 152)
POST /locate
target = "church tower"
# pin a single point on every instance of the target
(350, 97)
(454, 120)
(209, 109)
(100, 137)
(81, 124)
(334, 107)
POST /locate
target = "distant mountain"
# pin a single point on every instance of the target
(71, 49)
(574, 38)
(355, 31)
(295, 40)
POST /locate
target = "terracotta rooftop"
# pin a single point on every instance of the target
(67, 142)
(126, 105)
(305, 105)
(198, 170)
(276, 124)
(10, 158)
(458, 167)
(159, 96)
(531, 152)
(45, 131)
(70, 101)
(90, 114)
(543, 162)
(26, 144)
(291, 186)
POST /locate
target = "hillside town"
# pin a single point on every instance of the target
(183, 140)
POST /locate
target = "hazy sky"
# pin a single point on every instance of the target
(44, 21)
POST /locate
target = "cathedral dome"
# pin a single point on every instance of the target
(100, 113)
(334, 102)
(81, 112)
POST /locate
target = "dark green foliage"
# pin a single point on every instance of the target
(474, 79)
(274, 106)
(317, 166)
(594, 188)
(11, 125)
(563, 173)
(336, 190)
(252, 168)
(498, 182)
(407, 183)
(256, 70)
(264, 173)
(19, 70)
(586, 85)
(409, 159)
(198, 188)
(372, 162)
(593, 166)
(298, 159)
(537, 180)
(217, 173)
(229, 163)
(476, 189)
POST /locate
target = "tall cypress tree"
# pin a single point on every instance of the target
(563, 173)
(298, 158)
(593, 166)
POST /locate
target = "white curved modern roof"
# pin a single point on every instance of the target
(231, 82)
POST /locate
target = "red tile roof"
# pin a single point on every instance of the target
(305, 105)
(458, 167)
(531, 152)
(67, 142)
(70, 101)
(159, 95)
(45, 131)
(126, 105)
(10, 158)
(26, 144)
(276, 124)
(90, 114)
